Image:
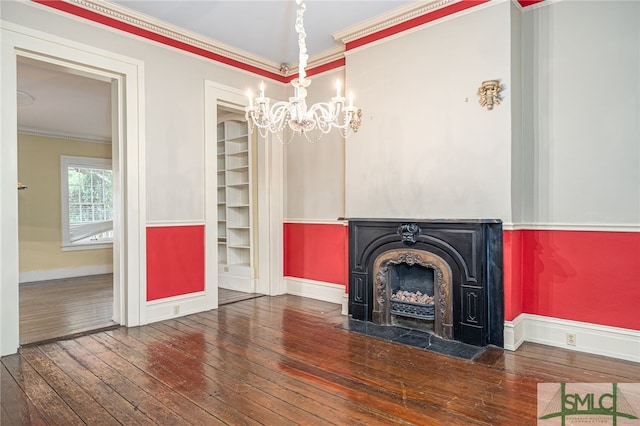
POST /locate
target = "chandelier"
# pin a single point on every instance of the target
(323, 115)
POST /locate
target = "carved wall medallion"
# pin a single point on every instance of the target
(489, 92)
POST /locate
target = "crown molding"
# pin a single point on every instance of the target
(325, 57)
(61, 135)
(140, 20)
(389, 19)
(317, 61)
(325, 61)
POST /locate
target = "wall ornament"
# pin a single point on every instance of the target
(489, 92)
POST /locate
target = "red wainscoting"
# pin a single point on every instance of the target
(512, 268)
(316, 252)
(585, 276)
(175, 261)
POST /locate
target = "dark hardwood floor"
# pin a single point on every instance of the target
(277, 361)
(69, 307)
(226, 296)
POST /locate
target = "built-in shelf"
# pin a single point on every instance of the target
(235, 233)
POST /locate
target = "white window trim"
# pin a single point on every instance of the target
(65, 162)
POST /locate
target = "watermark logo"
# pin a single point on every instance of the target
(616, 404)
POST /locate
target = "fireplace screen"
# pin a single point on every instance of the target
(412, 291)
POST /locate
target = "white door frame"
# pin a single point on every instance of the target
(270, 211)
(127, 75)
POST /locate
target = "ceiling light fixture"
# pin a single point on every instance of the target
(24, 99)
(324, 115)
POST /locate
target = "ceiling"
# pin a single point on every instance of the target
(265, 28)
(62, 103)
(71, 104)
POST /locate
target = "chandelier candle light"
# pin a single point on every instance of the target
(324, 115)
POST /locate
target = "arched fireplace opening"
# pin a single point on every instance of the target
(413, 289)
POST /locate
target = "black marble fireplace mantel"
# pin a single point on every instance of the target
(472, 249)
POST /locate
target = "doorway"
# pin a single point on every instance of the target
(237, 206)
(265, 271)
(65, 201)
(126, 77)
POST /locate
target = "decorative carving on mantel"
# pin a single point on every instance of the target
(408, 232)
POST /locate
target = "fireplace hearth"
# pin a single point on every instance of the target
(444, 276)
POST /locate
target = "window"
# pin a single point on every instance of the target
(87, 203)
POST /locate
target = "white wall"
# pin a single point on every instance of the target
(314, 174)
(516, 91)
(426, 148)
(166, 94)
(174, 104)
(583, 113)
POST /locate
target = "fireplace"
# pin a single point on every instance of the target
(442, 276)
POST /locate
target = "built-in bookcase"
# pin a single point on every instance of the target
(235, 206)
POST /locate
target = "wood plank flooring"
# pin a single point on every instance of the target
(278, 361)
(55, 309)
(226, 296)
(65, 307)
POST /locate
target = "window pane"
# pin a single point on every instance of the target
(74, 194)
(90, 200)
(98, 211)
(86, 213)
(85, 196)
(74, 213)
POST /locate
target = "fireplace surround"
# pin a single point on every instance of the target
(460, 262)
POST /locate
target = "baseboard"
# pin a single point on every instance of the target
(514, 333)
(318, 290)
(345, 304)
(177, 306)
(237, 283)
(57, 274)
(596, 339)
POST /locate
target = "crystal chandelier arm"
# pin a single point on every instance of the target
(335, 115)
(266, 117)
(279, 113)
(325, 114)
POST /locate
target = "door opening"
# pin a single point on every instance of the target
(65, 208)
(126, 78)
